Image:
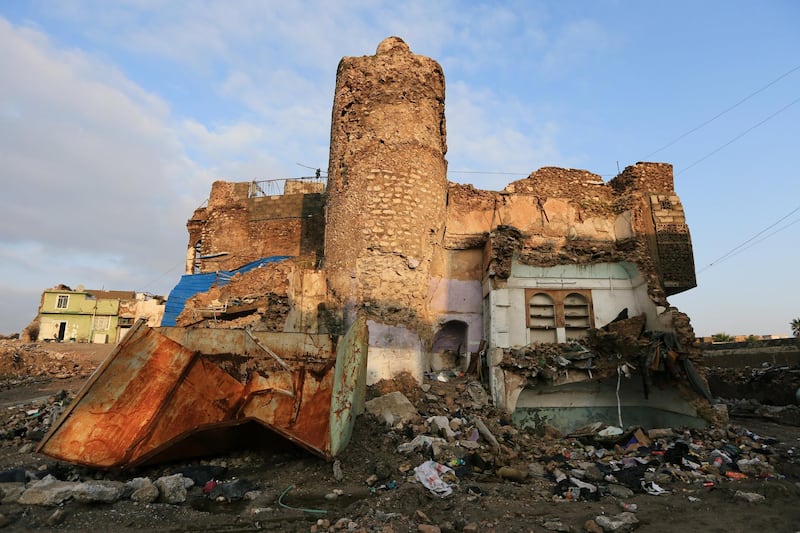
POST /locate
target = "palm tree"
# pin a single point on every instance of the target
(795, 327)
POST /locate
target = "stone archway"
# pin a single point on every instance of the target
(450, 346)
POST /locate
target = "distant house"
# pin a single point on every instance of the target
(98, 316)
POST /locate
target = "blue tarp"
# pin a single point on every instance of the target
(191, 284)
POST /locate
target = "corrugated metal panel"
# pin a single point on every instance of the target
(191, 284)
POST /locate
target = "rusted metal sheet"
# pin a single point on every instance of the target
(156, 398)
(115, 409)
(349, 384)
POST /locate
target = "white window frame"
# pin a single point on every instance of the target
(65, 298)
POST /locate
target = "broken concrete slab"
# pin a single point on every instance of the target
(47, 491)
(396, 403)
(99, 491)
(173, 489)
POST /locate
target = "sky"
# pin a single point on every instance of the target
(116, 117)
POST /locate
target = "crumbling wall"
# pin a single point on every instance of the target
(260, 297)
(648, 191)
(386, 182)
(569, 216)
(580, 186)
(236, 228)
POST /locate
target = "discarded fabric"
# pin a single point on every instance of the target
(430, 475)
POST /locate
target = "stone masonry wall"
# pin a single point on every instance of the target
(245, 229)
(553, 182)
(569, 215)
(645, 177)
(673, 242)
(648, 188)
(386, 181)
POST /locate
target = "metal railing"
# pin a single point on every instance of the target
(278, 187)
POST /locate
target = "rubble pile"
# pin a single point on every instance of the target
(773, 385)
(455, 426)
(22, 362)
(435, 456)
(551, 361)
(258, 296)
(769, 392)
(622, 346)
(23, 425)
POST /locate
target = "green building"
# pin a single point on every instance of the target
(83, 315)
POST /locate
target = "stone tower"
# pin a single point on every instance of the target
(387, 182)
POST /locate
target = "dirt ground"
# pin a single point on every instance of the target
(294, 490)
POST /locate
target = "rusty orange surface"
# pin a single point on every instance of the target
(153, 398)
(114, 410)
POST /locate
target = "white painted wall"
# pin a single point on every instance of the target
(459, 300)
(393, 350)
(501, 313)
(614, 287)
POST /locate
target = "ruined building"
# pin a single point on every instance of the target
(449, 277)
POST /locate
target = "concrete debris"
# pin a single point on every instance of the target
(624, 345)
(99, 491)
(143, 490)
(483, 456)
(395, 403)
(621, 522)
(58, 516)
(486, 434)
(172, 489)
(478, 394)
(338, 473)
(749, 497)
(48, 491)
(556, 525)
(441, 426)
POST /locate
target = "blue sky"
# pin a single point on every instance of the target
(116, 117)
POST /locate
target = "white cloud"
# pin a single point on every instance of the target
(229, 141)
(491, 134)
(96, 183)
(575, 44)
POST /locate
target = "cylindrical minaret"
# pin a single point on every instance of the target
(387, 181)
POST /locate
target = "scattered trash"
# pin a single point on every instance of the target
(632, 507)
(651, 487)
(621, 522)
(430, 474)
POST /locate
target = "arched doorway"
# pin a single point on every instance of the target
(449, 346)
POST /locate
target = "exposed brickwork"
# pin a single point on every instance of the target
(245, 229)
(645, 178)
(647, 188)
(571, 218)
(553, 182)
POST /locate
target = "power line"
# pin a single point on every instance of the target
(787, 226)
(741, 247)
(715, 117)
(745, 132)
